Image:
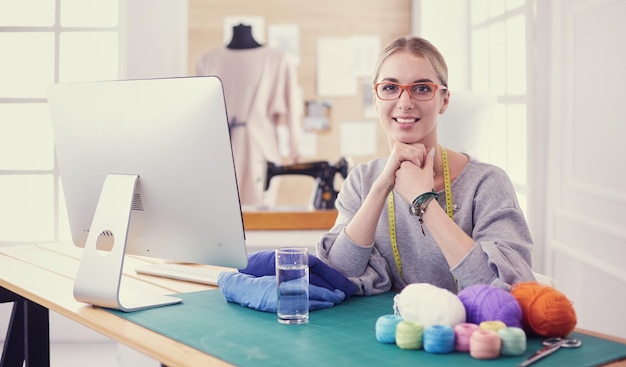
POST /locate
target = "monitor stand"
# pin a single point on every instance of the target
(100, 273)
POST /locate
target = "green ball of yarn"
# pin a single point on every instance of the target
(409, 335)
(513, 341)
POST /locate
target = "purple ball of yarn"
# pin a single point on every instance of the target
(490, 303)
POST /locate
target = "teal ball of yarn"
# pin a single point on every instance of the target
(513, 341)
(439, 339)
(409, 335)
(386, 328)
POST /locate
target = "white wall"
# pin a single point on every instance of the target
(585, 238)
(153, 40)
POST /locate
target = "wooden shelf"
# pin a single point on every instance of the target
(289, 219)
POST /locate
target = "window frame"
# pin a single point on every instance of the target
(504, 100)
(58, 205)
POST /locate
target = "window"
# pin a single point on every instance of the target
(499, 66)
(63, 40)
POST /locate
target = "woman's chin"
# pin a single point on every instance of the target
(406, 139)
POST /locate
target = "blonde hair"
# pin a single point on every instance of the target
(418, 47)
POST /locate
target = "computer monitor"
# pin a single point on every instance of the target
(147, 169)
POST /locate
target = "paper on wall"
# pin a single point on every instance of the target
(357, 138)
(342, 60)
(285, 37)
(366, 50)
(307, 142)
(335, 63)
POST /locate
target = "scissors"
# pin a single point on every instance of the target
(551, 345)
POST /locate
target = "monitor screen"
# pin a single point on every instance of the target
(172, 135)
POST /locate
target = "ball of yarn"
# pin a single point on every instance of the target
(462, 334)
(386, 328)
(409, 335)
(488, 303)
(485, 344)
(439, 339)
(492, 325)
(429, 305)
(546, 311)
(513, 341)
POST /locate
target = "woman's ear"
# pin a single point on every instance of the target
(445, 101)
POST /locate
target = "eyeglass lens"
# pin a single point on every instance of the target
(419, 91)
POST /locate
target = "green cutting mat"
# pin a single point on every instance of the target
(343, 335)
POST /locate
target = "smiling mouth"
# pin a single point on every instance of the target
(405, 120)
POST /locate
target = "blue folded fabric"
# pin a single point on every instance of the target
(320, 274)
(259, 293)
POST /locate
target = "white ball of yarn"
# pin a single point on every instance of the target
(429, 305)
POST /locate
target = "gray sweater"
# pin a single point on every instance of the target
(486, 208)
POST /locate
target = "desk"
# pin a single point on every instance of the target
(42, 278)
(288, 219)
(285, 226)
(44, 275)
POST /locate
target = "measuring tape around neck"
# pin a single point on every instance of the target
(391, 209)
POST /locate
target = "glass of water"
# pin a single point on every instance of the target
(292, 284)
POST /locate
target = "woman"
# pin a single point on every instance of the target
(425, 214)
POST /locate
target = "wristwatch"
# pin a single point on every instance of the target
(419, 205)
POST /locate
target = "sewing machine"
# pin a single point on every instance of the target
(324, 194)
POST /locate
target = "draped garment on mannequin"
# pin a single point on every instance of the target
(259, 85)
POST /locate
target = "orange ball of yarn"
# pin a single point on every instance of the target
(545, 311)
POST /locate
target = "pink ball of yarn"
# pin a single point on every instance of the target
(485, 344)
(462, 335)
(490, 303)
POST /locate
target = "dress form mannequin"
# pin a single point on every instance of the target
(242, 38)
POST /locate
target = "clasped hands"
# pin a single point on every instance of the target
(410, 167)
